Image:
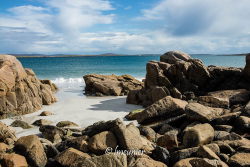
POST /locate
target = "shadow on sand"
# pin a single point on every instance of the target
(115, 105)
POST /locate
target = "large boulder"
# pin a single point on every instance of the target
(198, 134)
(70, 156)
(13, 160)
(199, 112)
(247, 67)
(172, 56)
(166, 107)
(110, 159)
(20, 91)
(240, 160)
(32, 149)
(100, 142)
(179, 76)
(110, 85)
(198, 162)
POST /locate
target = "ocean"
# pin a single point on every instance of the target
(69, 70)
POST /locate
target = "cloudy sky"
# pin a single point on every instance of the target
(124, 26)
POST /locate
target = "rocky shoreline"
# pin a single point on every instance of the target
(195, 116)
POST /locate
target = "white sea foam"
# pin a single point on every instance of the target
(68, 82)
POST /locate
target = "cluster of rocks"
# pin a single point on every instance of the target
(20, 90)
(110, 85)
(180, 76)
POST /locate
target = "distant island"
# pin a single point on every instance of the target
(75, 55)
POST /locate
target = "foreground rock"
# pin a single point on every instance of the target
(165, 107)
(32, 149)
(110, 85)
(20, 91)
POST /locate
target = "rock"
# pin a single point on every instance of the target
(200, 162)
(20, 91)
(110, 159)
(166, 107)
(191, 152)
(205, 152)
(220, 135)
(50, 150)
(132, 114)
(148, 132)
(128, 136)
(240, 160)
(52, 133)
(79, 143)
(173, 56)
(6, 134)
(213, 101)
(243, 122)
(46, 113)
(63, 124)
(232, 97)
(168, 140)
(199, 112)
(3, 147)
(226, 128)
(99, 127)
(42, 122)
(247, 108)
(226, 118)
(247, 67)
(199, 134)
(100, 142)
(32, 149)
(147, 162)
(13, 160)
(224, 157)
(70, 156)
(22, 124)
(110, 85)
(167, 128)
(161, 154)
(52, 85)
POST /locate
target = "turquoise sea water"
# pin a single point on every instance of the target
(69, 70)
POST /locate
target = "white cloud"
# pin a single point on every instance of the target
(188, 17)
(63, 26)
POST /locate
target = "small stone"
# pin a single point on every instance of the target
(226, 128)
(52, 133)
(148, 132)
(63, 124)
(161, 154)
(22, 124)
(132, 114)
(46, 113)
(42, 122)
(205, 152)
(168, 140)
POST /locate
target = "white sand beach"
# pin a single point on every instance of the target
(73, 106)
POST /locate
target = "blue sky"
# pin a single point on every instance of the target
(124, 26)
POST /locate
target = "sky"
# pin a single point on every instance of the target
(124, 26)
